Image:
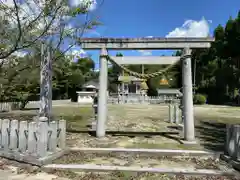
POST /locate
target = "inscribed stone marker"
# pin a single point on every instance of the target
(5, 133)
(13, 144)
(23, 133)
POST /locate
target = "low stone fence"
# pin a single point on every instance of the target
(54, 102)
(140, 99)
(5, 107)
(232, 144)
(32, 142)
(9, 106)
(175, 113)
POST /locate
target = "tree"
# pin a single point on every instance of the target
(113, 73)
(217, 73)
(27, 23)
(17, 86)
(24, 27)
(68, 76)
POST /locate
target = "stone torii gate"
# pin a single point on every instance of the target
(185, 44)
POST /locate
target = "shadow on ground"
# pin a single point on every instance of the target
(21, 117)
(211, 135)
(132, 134)
(28, 109)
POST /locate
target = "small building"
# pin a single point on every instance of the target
(131, 85)
(88, 91)
(92, 85)
(85, 96)
(131, 89)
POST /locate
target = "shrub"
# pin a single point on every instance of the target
(199, 99)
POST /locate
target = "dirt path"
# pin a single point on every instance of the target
(9, 175)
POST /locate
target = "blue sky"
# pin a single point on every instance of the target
(157, 18)
(141, 18)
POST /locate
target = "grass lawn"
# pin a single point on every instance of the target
(127, 122)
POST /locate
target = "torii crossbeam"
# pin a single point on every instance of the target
(144, 43)
(134, 60)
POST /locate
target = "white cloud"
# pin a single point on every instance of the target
(17, 54)
(76, 52)
(29, 10)
(191, 28)
(90, 4)
(81, 53)
(146, 52)
(7, 3)
(20, 53)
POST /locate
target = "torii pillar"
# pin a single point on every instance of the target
(102, 102)
(188, 115)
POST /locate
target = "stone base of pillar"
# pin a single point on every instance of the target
(180, 127)
(228, 159)
(183, 141)
(188, 142)
(41, 119)
(225, 158)
(94, 126)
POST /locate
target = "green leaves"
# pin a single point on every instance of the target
(218, 72)
(20, 81)
(31, 22)
(77, 11)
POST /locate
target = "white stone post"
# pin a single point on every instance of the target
(123, 89)
(123, 94)
(176, 113)
(45, 84)
(170, 113)
(102, 101)
(189, 129)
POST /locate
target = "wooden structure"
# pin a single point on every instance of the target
(130, 85)
(131, 89)
(163, 81)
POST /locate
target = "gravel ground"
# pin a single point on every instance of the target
(130, 159)
(134, 118)
(140, 160)
(13, 170)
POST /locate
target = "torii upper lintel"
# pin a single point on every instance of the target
(144, 43)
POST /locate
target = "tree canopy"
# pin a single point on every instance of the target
(27, 24)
